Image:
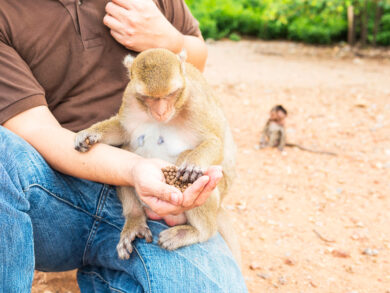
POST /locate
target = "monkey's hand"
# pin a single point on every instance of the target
(85, 139)
(189, 173)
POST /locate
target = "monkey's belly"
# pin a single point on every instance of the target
(161, 141)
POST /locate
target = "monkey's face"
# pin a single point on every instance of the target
(162, 108)
(278, 117)
(158, 80)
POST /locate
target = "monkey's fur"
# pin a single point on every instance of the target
(195, 135)
(274, 133)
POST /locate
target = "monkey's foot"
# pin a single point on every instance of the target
(124, 247)
(189, 173)
(178, 236)
(85, 140)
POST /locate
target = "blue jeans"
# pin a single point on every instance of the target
(53, 222)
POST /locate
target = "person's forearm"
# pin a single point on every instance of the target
(196, 51)
(102, 163)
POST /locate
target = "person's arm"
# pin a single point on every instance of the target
(139, 25)
(107, 164)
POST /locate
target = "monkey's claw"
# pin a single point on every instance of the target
(85, 140)
(189, 173)
(124, 247)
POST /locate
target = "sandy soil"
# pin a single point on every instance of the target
(308, 222)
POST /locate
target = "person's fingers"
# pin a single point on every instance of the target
(123, 3)
(117, 12)
(163, 191)
(160, 207)
(120, 38)
(113, 23)
(215, 176)
(192, 192)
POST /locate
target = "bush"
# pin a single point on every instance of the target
(310, 21)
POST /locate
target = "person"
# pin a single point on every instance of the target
(60, 72)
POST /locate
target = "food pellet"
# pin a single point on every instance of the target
(170, 174)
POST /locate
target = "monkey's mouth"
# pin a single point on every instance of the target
(163, 118)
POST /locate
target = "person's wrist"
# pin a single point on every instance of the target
(129, 169)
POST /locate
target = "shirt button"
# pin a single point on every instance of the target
(80, 2)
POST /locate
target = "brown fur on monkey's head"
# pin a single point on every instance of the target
(279, 108)
(155, 72)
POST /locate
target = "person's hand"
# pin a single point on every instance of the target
(165, 201)
(139, 25)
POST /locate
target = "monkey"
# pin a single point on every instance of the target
(274, 133)
(169, 112)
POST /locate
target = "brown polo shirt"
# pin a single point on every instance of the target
(59, 53)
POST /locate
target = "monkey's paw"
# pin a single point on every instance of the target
(177, 237)
(189, 173)
(124, 247)
(85, 140)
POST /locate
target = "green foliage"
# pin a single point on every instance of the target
(310, 21)
(234, 37)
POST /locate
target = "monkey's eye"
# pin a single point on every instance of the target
(175, 94)
(140, 98)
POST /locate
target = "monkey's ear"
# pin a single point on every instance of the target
(128, 61)
(183, 57)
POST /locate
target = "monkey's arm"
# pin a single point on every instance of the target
(263, 137)
(109, 131)
(282, 142)
(207, 153)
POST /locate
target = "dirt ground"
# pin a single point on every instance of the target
(307, 222)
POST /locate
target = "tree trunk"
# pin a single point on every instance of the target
(378, 16)
(363, 31)
(351, 27)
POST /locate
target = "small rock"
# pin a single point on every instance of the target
(241, 205)
(289, 262)
(254, 266)
(210, 41)
(282, 280)
(264, 276)
(340, 253)
(370, 252)
(314, 285)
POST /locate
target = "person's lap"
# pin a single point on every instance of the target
(76, 224)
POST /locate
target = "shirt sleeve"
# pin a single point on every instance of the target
(178, 13)
(19, 90)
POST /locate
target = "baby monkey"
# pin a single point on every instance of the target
(169, 112)
(274, 133)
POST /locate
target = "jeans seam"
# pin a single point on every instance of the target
(95, 225)
(105, 281)
(102, 200)
(58, 197)
(72, 205)
(145, 268)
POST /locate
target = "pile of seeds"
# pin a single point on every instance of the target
(172, 177)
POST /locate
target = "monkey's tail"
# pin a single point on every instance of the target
(225, 228)
(310, 150)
